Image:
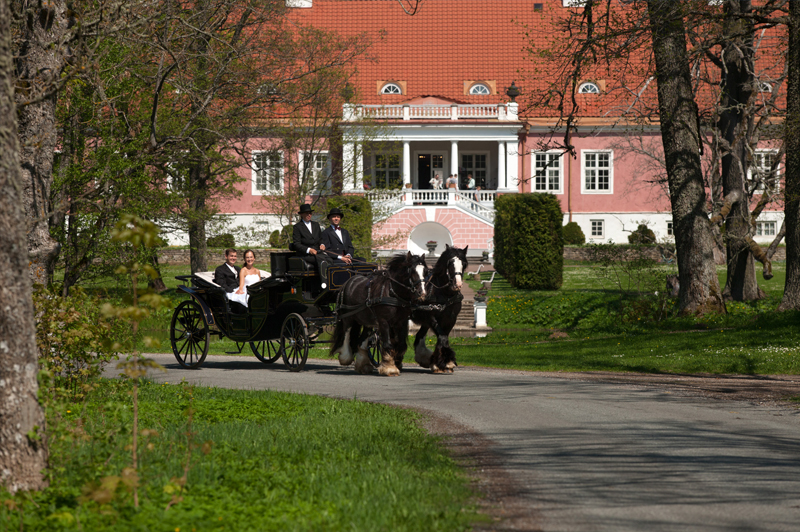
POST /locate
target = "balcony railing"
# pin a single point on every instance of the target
(478, 202)
(503, 112)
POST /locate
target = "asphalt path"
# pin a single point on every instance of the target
(584, 455)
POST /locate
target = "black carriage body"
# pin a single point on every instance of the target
(293, 290)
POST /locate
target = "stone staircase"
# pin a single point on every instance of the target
(466, 318)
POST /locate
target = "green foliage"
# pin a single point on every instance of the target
(260, 460)
(275, 239)
(528, 243)
(573, 235)
(357, 220)
(629, 268)
(642, 235)
(222, 241)
(70, 335)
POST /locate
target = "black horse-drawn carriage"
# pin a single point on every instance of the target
(285, 316)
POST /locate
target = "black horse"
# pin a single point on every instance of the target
(382, 301)
(440, 311)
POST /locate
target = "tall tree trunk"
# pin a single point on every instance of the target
(40, 59)
(197, 219)
(735, 121)
(791, 292)
(23, 450)
(694, 242)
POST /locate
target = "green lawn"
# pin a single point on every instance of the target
(257, 460)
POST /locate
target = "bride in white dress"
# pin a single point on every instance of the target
(247, 275)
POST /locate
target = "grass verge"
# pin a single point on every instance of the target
(257, 460)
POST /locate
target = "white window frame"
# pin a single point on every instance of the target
(610, 189)
(584, 88)
(550, 154)
(573, 3)
(387, 86)
(475, 90)
(255, 170)
(601, 224)
(303, 156)
(670, 228)
(760, 153)
(761, 228)
(375, 178)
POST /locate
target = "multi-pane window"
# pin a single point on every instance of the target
(766, 228)
(391, 88)
(547, 172)
(479, 89)
(670, 229)
(588, 88)
(597, 172)
(316, 170)
(760, 173)
(475, 164)
(387, 171)
(597, 229)
(267, 172)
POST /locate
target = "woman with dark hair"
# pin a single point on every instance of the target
(248, 275)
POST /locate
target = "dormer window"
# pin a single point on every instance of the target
(479, 89)
(391, 88)
(763, 86)
(588, 87)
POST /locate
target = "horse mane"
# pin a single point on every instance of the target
(440, 268)
(397, 262)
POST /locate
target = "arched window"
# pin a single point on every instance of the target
(763, 86)
(391, 88)
(588, 88)
(479, 89)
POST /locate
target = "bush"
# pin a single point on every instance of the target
(642, 235)
(224, 240)
(71, 336)
(528, 241)
(573, 234)
(357, 220)
(275, 239)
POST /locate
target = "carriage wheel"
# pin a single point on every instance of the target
(267, 351)
(374, 349)
(188, 334)
(294, 342)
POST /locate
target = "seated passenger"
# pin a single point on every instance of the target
(227, 275)
(307, 242)
(336, 239)
(247, 276)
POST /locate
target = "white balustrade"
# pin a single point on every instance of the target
(501, 112)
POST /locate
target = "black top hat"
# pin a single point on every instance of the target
(304, 208)
(335, 212)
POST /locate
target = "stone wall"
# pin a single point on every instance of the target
(583, 253)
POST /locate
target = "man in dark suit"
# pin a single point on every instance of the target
(337, 240)
(227, 275)
(307, 242)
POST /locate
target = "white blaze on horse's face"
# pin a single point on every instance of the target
(458, 268)
(421, 272)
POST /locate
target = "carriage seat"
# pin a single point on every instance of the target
(207, 277)
(296, 264)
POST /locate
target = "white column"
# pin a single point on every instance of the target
(358, 164)
(348, 160)
(453, 157)
(501, 165)
(406, 162)
(512, 166)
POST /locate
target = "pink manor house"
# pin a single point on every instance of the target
(441, 87)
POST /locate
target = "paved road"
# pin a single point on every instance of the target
(587, 456)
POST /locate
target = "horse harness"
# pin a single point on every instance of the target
(392, 300)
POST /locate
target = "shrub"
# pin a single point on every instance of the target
(224, 240)
(71, 336)
(357, 220)
(275, 239)
(642, 235)
(573, 235)
(528, 241)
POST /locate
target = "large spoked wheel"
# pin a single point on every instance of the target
(267, 351)
(188, 334)
(294, 342)
(374, 349)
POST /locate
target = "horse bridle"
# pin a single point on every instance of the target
(450, 280)
(412, 285)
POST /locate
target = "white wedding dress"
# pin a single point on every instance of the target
(242, 298)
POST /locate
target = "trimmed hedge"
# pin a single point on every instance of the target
(224, 240)
(573, 235)
(528, 240)
(642, 235)
(357, 220)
